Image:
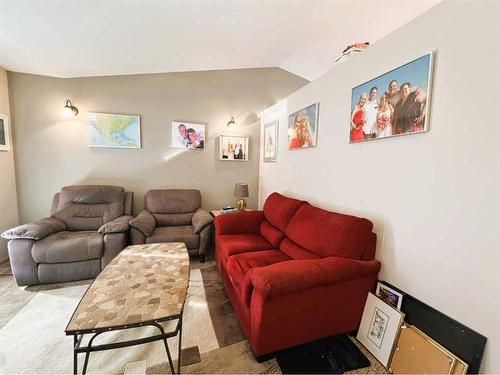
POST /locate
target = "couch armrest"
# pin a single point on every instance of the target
(36, 230)
(201, 219)
(145, 222)
(118, 225)
(244, 222)
(297, 275)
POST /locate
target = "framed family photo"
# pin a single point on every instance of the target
(233, 147)
(394, 103)
(188, 135)
(271, 141)
(303, 128)
(379, 328)
(4, 133)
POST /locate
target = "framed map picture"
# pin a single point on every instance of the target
(188, 135)
(4, 133)
(271, 141)
(113, 130)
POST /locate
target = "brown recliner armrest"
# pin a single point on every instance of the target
(36, 230)
(145, 222)
(118, 225)
(201, 219)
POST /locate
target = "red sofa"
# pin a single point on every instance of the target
(294, 272)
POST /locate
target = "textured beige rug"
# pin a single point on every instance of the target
(32, 339)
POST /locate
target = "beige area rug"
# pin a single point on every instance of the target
(33, 340)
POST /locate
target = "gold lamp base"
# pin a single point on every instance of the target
(241, 204)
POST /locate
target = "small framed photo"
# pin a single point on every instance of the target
(271, 141)
(303, 128)
(389, 295)
(233, 147)
(188, 135)
(4, 133)
(379, 328)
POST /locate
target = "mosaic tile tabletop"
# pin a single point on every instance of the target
(143, 283)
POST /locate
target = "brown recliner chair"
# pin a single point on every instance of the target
(87, 228)
(174, 215)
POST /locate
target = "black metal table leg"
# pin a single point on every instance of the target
(75, 355)
(180, 345)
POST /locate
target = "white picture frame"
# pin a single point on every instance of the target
(303, 128)
(4, 133)
(379, 328)
(230, 145)
(271, 131)
(191, 138)
(389, 295)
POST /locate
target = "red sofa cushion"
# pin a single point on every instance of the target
(279, 210)
(328, 233)
(238, 265)
(271, 233)
(231, 244)
(295, 251)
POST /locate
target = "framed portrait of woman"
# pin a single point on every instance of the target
(303, 128)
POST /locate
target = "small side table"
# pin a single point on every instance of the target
(216, 213)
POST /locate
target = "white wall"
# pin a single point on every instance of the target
(433, 197)
(52, 151)
(8, 197)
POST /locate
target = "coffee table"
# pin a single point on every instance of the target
(144, 285)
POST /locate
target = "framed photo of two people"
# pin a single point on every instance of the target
(394, 103)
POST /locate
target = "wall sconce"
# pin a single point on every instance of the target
(231, 124)
(69, 109)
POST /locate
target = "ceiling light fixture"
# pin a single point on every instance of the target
(69, 109)
(231, 124)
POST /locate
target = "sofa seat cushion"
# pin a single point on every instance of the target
(232, 244)
(238, 265)
(184, 233)
(67, 246)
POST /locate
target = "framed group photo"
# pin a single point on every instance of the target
(394, 103)
(188, 135)
(303, 128)
(233, 147)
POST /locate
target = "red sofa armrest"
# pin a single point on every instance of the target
(297, 275)
(245, 222)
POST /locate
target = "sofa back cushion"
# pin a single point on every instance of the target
(87, 207)
(279, 210)
(271, 233)
(167, 220)
(326, 233)
(173, 201)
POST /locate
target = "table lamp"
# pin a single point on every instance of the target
(240, 192)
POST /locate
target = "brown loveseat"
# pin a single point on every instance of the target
(87, 228)
(173, 215)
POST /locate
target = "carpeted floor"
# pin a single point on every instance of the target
(33, 319)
